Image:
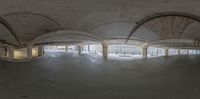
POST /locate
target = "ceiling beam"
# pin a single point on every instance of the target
(58, 42)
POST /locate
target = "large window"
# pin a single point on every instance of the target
(54, 48)
(154, 51)
(124, 50)
(192, 52)
(173, 51)
(95, 48)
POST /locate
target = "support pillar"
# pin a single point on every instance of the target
(144, 51)
(89, 48)
(105, 49)
(66, 48)
(40, 50)
(2, 52)
(187, 52)
(80, 46)
(10, 51)
(166, 52)
(29, 51)
(179, 51)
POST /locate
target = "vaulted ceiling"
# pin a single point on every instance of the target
(107, 19)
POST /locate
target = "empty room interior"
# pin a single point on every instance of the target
(99, 49)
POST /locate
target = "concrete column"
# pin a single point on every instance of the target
(144, 51)
(157, 52)
(29, 51)
(187, 52)
(2, 52)
(179, 51)
(10, 51)
(88, 48)
(40, 50)
(105, 49)
(80, 46)
(66, 48)
(166, 52)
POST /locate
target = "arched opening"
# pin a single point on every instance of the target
(124, 51)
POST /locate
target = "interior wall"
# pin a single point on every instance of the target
(35, 51)
(20, 53)
(2, 52)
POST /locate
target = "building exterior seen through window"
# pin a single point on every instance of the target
(122, 50)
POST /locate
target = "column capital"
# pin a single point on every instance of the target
(105, 42)
(144, 45)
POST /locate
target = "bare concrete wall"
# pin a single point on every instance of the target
(35, 51)
(20, 53)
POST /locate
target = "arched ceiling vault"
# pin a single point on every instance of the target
(112, 19)
(170, 27)
(30, 13)
(167, 25)
(66, 36)
(25, 26)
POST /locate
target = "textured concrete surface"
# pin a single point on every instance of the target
(73, 76)
(106, 18)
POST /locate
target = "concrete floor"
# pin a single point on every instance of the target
(70, 76)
